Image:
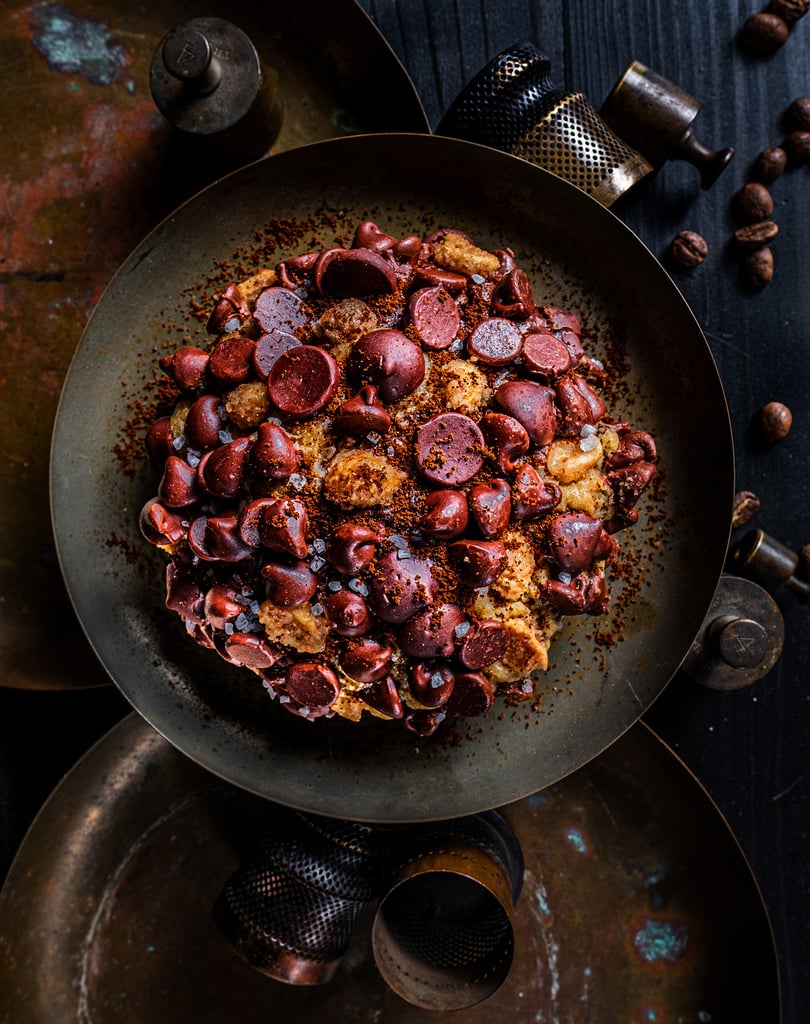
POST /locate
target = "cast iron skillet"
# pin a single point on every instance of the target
(580, 256)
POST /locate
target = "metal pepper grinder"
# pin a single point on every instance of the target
(208, 80)
(656, 117)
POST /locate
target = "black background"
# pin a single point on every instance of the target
(748, 747)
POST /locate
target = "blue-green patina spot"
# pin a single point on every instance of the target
(661, 940)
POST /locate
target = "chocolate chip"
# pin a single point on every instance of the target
(203, 422)
(401, 587)
(423, 723)
(178, 486)
(449, 448)
(187, 367)
(546, 354)
(366, 661)
(159, 525)
(268, 348)
(353, 547)
(481, 562)
(229, 312)
(532, 405)
(390, 361)
(217, 539)
(158, 440)
(533, 497)
(573, 538)
(484, 643)
(231, 360)
(221, 470)
(289, 585)
(447, 515)
(513, 296)
(222, 605)
(383, 697)
(431, 633)
(507, 439)
(311, 684)
(629, 482)
(495, 342)
(362, 413)
(491, 506)
(431, 275)
(249, 650)
(284, 527)
(184, 594)
(472, 695)
(348, 613)
(431, 683)
(274, 455)
(353, 272)
(578, 403)
(435, 316)
(279, 309)
(368, 236)
(303, 380)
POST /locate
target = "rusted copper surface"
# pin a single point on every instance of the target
(637, 904)
(87, 167)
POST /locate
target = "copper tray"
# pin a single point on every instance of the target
(89, 167)
(637, 904)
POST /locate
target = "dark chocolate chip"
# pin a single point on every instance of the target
(158, 440)
(289, 585)
(423, 723)
(506, 437)
(532, 405)
(268, 348)
(533, 497)
(187, 367)
(401, 587)
(219, 538)
(368, 236)
(481, 562)
(159, 525)
(546, 354)
(431, 633)
(303, 380)
(484, 643)
(231, 360)
(362, 413)
(279, 309)
(311, 684)
(491, 506)
(383, 697)
(390, 361)
(472, 695)
(355, 272)
(431, 275)
(284, 526)
(431, 683)
(573, 538)
(178, 486)
(495, 342)
(353, 547)
(579, 404)
(221, 470)
(366, 661)
(513, 295)
(274, 455)
(184, 594)
(203, 422)
(446, 517)
(229, 313)
(435, 316)
(449, 448)
(249, 650)
(348, 613)
(222, 605)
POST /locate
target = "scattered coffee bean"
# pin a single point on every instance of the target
(746, 506)
(770, 164)
(797, 117)
(756, 268)
(752, 203)
(764, 33)
(754, 236)
(789, 10)
(775, 420)
(689, 248)
(797, 147)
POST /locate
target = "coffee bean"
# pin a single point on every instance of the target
(754, 236)
(752, 203)
(764, 33)
(746, 506)
(797, 147)
(756, 268)
(789, 10)
(689, 248)
(797, 116)
(770, 164)
(774, 421)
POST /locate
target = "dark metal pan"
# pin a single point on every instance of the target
(580, 256)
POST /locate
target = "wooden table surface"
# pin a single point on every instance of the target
(749, 747)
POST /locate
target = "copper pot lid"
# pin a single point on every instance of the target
(637, 903)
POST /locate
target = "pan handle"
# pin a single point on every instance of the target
(512, 104)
